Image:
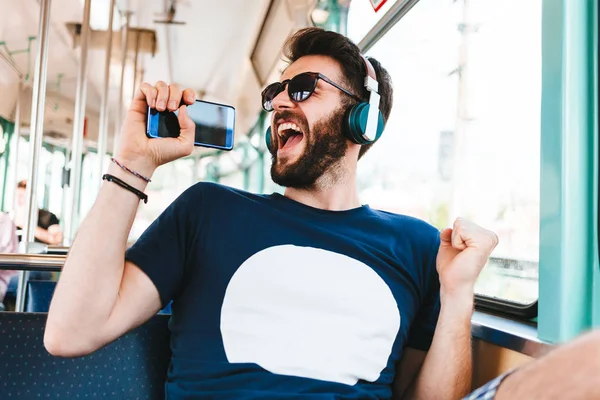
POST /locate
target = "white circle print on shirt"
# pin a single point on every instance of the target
(311, 313)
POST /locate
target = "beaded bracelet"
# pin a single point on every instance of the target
(111, 178)
(130, 171)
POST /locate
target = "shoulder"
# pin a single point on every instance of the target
(417, 243)
(419, 233)
(217, 189)
(403, 222)
(215, 193)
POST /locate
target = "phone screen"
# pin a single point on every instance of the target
(214, 124)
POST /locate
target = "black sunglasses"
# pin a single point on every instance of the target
(300, 87)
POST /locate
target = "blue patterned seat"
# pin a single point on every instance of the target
(11, 290)
(39, 295)
(132, 367)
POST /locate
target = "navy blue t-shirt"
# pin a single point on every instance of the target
(274, 299)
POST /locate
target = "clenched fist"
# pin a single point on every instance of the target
(464, 251)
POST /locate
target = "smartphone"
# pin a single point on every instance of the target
(215, 124)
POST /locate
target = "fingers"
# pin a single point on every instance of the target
(452, 237)
(185, 122)
(188, 129)
(147, 93)
(466, 234)
(446, 236)
(189, 96)
(458, 235)
(163, 95)
(174, 97)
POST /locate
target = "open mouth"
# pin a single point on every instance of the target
(290, 135)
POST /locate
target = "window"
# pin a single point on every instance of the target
(90, 182)
(168, 182)
(56, 198)
(464, 141)
(362, 17)
(19, 165)
(172, 179)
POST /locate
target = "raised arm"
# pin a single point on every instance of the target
(100, 296)
(446, 371)
(52, 235)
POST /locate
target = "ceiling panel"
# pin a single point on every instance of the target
(210, 53)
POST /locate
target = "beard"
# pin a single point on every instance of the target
(324, 147)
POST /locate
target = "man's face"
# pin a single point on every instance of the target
(306, 137)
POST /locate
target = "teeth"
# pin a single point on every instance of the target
(287, 125)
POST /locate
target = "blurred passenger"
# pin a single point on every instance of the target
(568, 372)
(306, 295)
(8, 244)
(48, 230)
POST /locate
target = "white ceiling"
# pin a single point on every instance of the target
(210, 54)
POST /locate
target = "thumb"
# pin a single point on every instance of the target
(446, 237)
(188, 127)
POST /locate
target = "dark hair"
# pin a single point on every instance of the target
(316, 41)
(22, 184)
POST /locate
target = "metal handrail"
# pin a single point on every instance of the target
(32, 262)
(389, 19)
(55, 249)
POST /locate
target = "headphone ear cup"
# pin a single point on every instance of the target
(357, 124)
(268, 138)
(346, 124)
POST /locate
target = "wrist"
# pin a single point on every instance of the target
(463, 298)
(127, 177)
(140, 165)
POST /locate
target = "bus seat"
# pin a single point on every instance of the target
(39, 295)
(11, 291)
(167, 309)
(132, 367)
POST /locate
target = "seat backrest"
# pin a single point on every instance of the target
(132, 367)
(39, 295)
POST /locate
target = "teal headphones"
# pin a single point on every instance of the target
(363, 122)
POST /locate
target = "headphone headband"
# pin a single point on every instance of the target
(371, 132)
(369, 67)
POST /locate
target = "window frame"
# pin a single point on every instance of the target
(569, 170)
(596, 123)
(505, 307)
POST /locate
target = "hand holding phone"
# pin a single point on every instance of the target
(143, 155)
(214, 122)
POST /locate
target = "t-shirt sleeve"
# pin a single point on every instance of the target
(163, 249)
(423, 328)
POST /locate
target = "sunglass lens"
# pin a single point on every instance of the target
(269, 94)
(301, 87)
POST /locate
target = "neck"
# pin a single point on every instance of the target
(334, 191)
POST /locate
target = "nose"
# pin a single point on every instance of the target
(282, 101)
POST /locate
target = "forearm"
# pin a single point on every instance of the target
(91, 277)
(41, 234)
(446, 371)
(99, 296)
